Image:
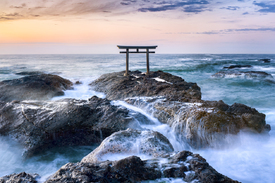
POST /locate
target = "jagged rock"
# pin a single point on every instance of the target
(34, 87)
(190, 167)
(131, 141)
(237, 66)
(206, 123)
(45, 124)
(116, 86)
(19, 178)
(243, 74)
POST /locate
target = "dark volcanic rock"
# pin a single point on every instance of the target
(131, 141)
(41, 125)
(206, 123)
(19, 178)
(190, 167)
(237, 66)
(34, 87)
(244, 74)
(116, 86)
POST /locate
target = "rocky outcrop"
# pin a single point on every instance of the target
(116, 86)
(129, 142)
(185, 165)
(204, 124)
(41, 125)
(37, 86)
(243, 74)
(20, 178)
(177, 103)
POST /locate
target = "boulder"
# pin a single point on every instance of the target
(39, 125)
(204, 124)
(116, 86)
(36, 86)
(20, 178)
(129, 142)
(185, 165)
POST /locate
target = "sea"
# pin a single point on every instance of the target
(251, 158)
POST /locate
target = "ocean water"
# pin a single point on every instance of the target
(251, 158)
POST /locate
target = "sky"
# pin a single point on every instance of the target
(98, 26)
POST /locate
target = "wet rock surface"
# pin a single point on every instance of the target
(116, 86)
(42, 125)
(35, 86)
(186, 165)
(19, 178)
(204, 124)
(131, 141)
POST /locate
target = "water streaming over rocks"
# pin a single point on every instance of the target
(234, 156)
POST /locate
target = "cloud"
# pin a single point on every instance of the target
(231, 7)
(266, 7)
(187, 6)
(226, 31)
(61, 8)
(21, 6)
(30, 9)
(128, 2)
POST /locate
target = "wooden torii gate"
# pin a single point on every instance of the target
(137, 50)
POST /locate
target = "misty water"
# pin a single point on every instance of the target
(249, 158)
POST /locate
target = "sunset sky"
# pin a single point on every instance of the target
(97, 26)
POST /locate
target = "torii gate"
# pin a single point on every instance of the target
(137, 48)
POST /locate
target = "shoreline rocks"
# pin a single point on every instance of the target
(39, 125)
(131, 141)
(36, 86)
(204, 124)
(22, 177)
(116, 86)
(185, 165)
(197, 122)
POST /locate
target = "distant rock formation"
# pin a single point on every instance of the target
(244, 74)
(265, 60)
(237, 66)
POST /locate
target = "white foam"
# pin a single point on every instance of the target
(162, 80)
(81, 91)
